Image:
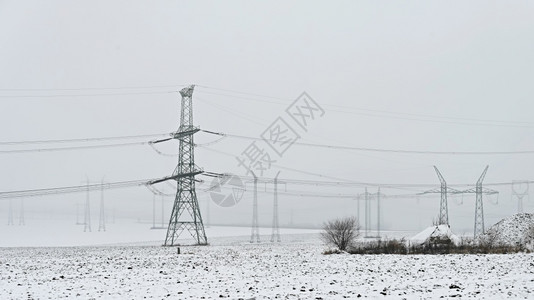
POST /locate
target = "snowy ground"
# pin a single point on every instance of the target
(233, 268)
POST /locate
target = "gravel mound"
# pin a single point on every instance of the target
(517, 229)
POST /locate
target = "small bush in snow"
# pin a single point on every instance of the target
(341, 233)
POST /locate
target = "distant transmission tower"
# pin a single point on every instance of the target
(378, 213)
(367, 214)
(21, 213)
(520, 191)
(255, 234)
(358, 208)
(185, 213)
(276, 228)
(443, 218)
(78, 214)
(479, 208)
(479, 191)
(154, 211)
(87, 215)
(368, 197)
(358, 197)
(443, 206)
(163, 212)
(10, 213)
(102, 219)
(208, 222)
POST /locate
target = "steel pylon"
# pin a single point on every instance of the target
(10, 214)
(255, 234)
(519, 193)
(21, 215)
(102, 217)
(443, 206)
(87, 212)
(185, 215)
(443, 217)
(275, 235)
(479, 208)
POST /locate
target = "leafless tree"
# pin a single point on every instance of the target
(341, 233)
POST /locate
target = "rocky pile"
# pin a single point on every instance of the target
(517, 229)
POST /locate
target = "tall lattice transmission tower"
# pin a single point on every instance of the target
(102, 218)
(10, 214)
(275, 236)
(21, 213)
(87, 212)
(520, 191)
(444, 190)
(255, 233)
(479, 208)
(443, 205)
(185, 215)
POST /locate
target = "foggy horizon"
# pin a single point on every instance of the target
(403, 87)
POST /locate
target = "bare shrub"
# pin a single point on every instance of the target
(466, 246)
(341, 233)
(381, 247)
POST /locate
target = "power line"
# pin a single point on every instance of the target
(283, 101)
(92, 139)
(90, 88)
(346, 184)
(85, 95)
(314, 145)
(72, 148)
(72, 189)
(374, 112)
(243, 93)
(316, 183)
(341, 182)
(337, 147)
(253, 119)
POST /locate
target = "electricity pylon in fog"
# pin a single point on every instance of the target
(185, 215)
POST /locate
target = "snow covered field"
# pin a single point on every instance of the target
(233, 268)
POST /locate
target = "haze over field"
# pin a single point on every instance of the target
(425, 77)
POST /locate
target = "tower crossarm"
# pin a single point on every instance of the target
(438, 191)
(175, 177)
(484, 191)
(189, 131)
(160, 141)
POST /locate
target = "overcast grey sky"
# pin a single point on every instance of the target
(411, 75)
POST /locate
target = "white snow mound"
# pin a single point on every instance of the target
(513, 230)
(441, 232)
